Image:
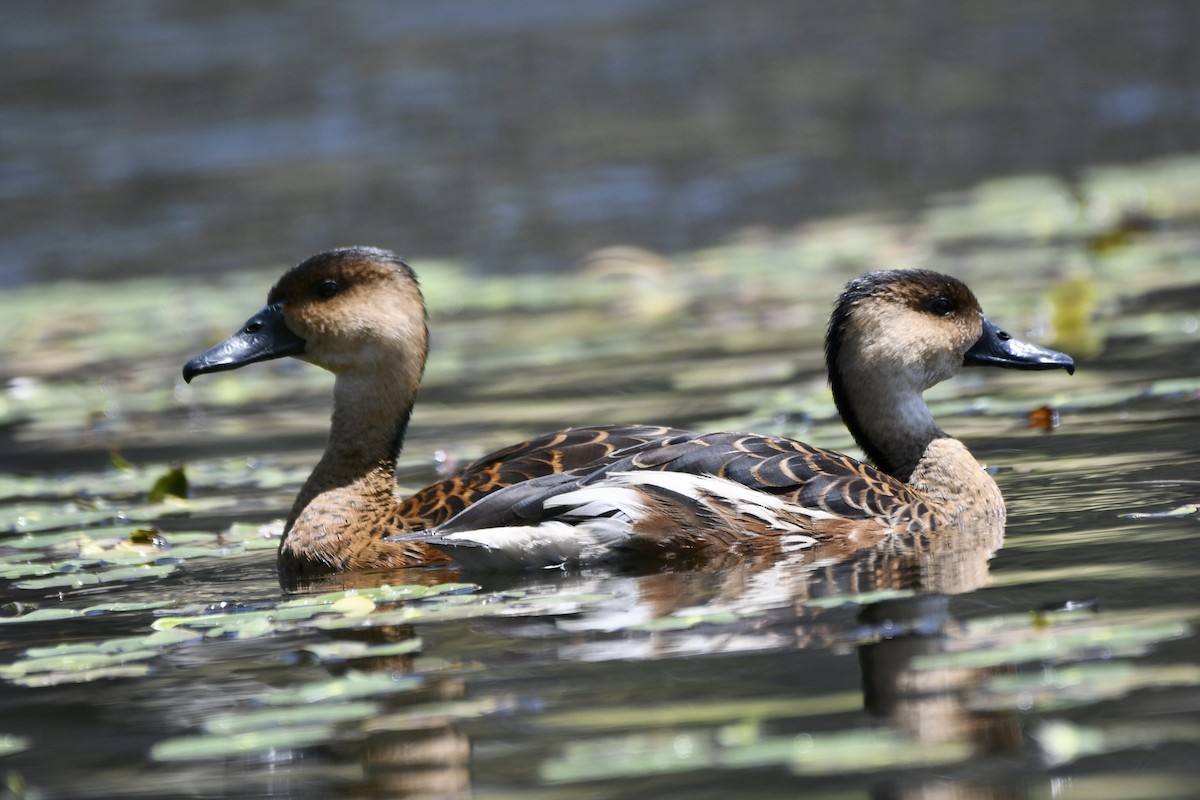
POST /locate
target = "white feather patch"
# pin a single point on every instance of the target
(742, 499)
(593, 521)
(553, 543)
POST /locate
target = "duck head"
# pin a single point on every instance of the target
(896, 333)
(922, 327)
(352, 311)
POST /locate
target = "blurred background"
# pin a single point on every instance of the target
(149, 137)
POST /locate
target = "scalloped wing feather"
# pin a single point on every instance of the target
(543, 455)
(690, 494)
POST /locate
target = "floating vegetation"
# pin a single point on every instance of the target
(995, 641)
(223, 745)
(700, 712)
(172, 483)
(1062, 742)
(12, 744)
(744, 746)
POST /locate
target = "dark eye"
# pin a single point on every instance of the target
(942, 306)
(328, 288)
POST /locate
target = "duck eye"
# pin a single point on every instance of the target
(942, 306)
(327, 288)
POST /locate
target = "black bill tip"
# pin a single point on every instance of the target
(998, 348)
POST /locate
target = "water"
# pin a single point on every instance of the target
(1060, 662)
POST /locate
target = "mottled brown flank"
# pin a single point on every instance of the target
(345, 526)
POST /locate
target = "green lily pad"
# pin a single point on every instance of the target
(859, 599)
(351, 686)
(110, 672)
(1062, 742)
(743, 746)
(191, 748)
(74, 662)
(10, 744)
(700, 712)
(678, 622)
(289, 716)
(77, 579)
(43, 615)
(346, 650)
(1053, 689)
(427, 715)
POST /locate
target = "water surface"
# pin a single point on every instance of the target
(1060, 662)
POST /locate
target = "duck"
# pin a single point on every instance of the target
(618, 492)
(358, 312)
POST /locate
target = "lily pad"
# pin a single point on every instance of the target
(289, 716)
(43, 615)
(77, 579)
(190, 748)
(10, 744)
(351, 686)
(347, 650)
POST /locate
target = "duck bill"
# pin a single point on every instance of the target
(998, 348)
(264, 336)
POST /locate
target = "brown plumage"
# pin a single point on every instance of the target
(589, 493)
(358, 312)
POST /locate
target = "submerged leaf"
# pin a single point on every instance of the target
(1179, 511)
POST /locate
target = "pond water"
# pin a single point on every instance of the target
(147, 649)
(517, 136)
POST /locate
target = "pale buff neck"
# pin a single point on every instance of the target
(370, 416)
(957, 485)
(892, 423)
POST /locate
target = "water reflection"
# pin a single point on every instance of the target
(662, 615)
(421, 754)
(544, 678)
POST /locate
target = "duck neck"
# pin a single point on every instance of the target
(887, 415)
(358, 468)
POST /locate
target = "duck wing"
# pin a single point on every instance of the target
(807, 476)
(548, 454)
(684, 495)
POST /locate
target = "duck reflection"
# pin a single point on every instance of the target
(419, 748)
